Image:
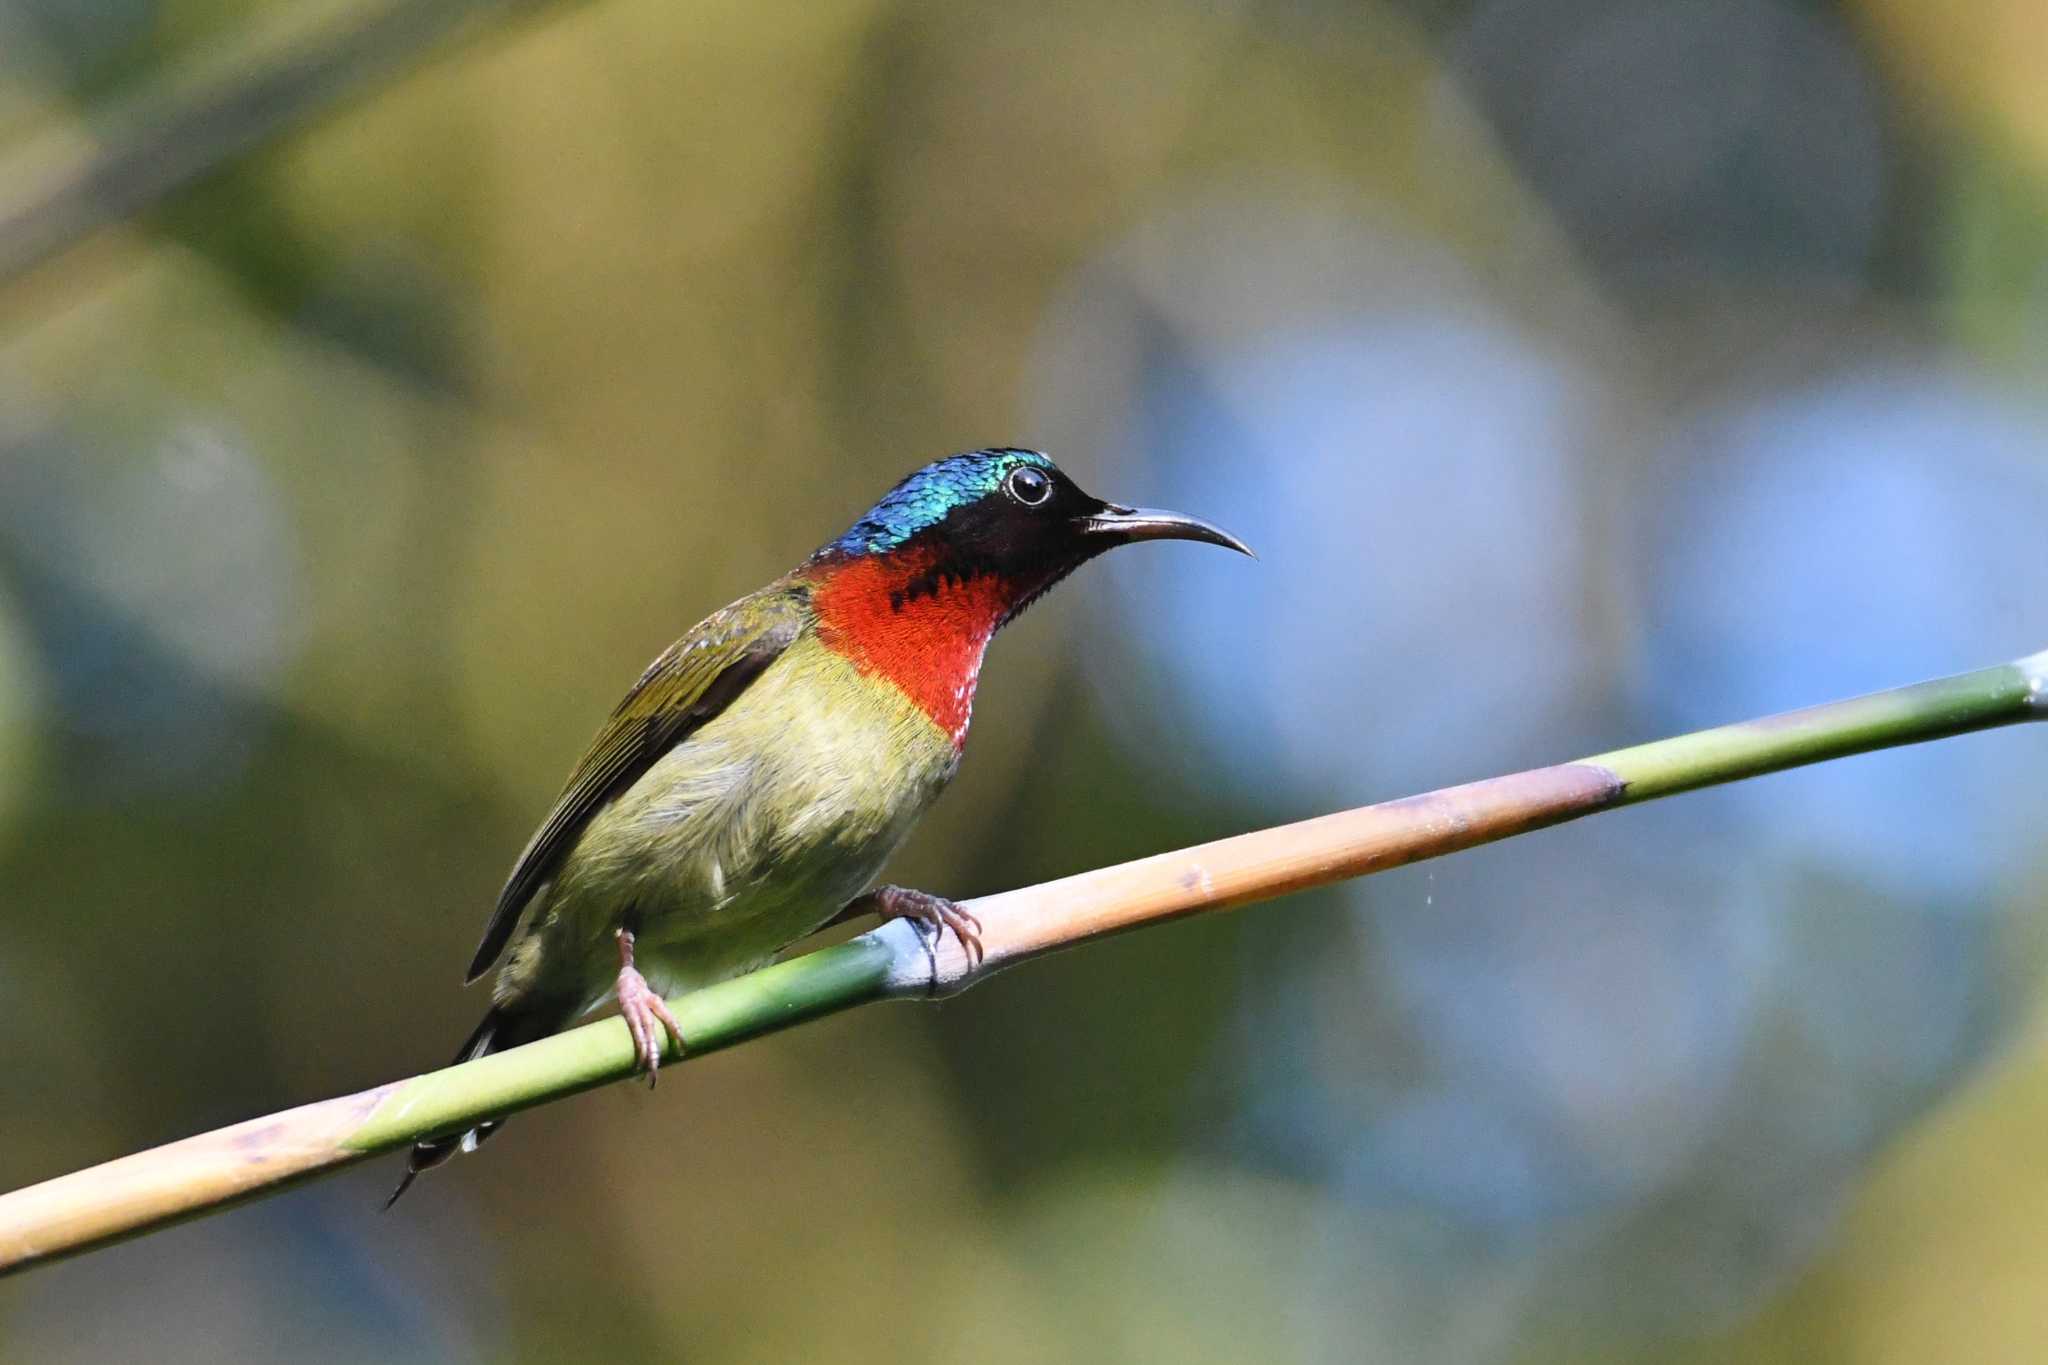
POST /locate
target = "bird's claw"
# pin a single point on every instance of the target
(934, 912)
(645, 1012)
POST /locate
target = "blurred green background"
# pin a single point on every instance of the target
(1584, 370)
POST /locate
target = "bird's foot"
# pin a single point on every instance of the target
(645, 1012)
(891, 902)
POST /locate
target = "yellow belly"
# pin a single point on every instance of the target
(747, 836)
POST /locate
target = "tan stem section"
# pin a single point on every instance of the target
(1021, 924)
(150, 1189)
(162, 1185)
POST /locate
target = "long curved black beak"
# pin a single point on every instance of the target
(1125, 524)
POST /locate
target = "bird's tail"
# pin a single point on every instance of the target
(501, 1029)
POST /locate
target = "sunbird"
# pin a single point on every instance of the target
(751, 785)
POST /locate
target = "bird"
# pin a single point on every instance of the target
(749, 788)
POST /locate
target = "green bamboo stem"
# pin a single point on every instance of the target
(133, 1194)
(1981, 700)
(856, 972)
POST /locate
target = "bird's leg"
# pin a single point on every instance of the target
(644, 1010)
(892, 902)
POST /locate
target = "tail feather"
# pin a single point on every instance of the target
(499, 1030)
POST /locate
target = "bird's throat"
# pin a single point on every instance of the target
(917, 623)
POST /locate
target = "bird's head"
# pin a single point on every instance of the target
(915, 588)
(1008, 517)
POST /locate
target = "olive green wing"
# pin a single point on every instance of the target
(694, 679)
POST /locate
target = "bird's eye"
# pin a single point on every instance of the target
(1028, 486)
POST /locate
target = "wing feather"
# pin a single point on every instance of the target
(694, 679)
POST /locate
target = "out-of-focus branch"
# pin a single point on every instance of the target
(184, 1179)
(172, 136)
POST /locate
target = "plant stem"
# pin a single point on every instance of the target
(1981, 700)
(150, 1189)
